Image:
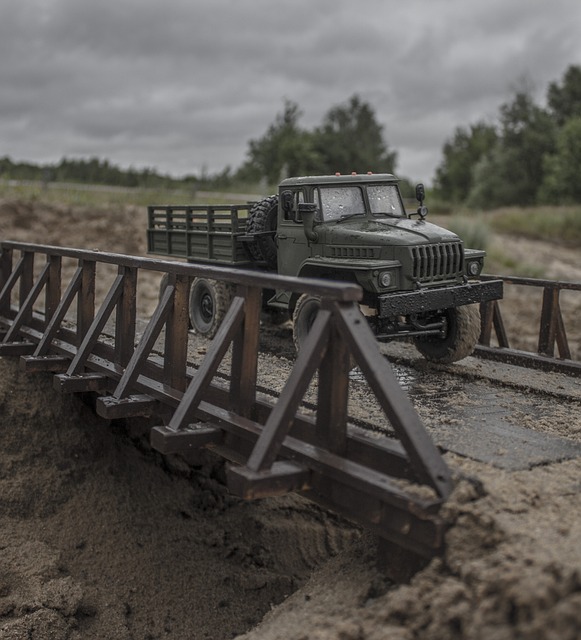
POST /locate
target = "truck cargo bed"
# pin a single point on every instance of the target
(199, 233)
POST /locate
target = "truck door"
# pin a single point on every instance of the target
(293, 247)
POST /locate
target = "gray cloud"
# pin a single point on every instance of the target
(185, 84)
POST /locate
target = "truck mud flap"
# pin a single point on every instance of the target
(402, 304)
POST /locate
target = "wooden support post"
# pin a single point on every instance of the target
(53, 288)
(86, 298)
(547, 329)
(245, 354)
(26, 282)
(486, 313)
(176, 335)
(125, 316)
(5, 273)
(333, 395)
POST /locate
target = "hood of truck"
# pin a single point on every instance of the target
(383, 232)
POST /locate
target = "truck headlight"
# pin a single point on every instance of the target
(474, 268)
(385, 279)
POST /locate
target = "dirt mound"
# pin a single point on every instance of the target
(512, 569)
(101, 538)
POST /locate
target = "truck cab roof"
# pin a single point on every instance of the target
(351, 178)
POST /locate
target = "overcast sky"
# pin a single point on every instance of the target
(182, 85)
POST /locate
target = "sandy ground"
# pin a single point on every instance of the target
(103, 538)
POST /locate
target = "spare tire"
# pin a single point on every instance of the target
(261, 223)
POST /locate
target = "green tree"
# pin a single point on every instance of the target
(454, 176)
(351, 139)
(562, 183)
(512, 172)
(284, 150)
(565, 99)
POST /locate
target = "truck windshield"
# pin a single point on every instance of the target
(384, 200)
(338, 203)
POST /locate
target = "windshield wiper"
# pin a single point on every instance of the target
(389, 215)
(346, 216)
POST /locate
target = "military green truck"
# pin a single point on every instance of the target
(419, 281)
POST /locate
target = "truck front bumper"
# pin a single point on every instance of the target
(403, 304)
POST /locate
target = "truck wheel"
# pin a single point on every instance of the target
(209, 302)
(303, 317)
(262, 219)
(163, 285)
(462, 333)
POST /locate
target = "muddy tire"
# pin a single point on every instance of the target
(262, 219)
(304, 315)
(162, 285)
(209, 301)
(462, 333)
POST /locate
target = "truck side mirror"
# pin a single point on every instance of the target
(420, 193)
(286, 200)
(306, 213)
(422, 211)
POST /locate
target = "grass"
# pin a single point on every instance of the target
(500, 262)
(561, 225)
(99, 196)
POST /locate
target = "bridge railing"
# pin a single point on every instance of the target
(553, 351)
(58, 325)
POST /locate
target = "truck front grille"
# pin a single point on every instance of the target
(353, 252)
(436, 262)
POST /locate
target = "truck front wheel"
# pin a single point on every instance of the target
(208, 304)
(462, 330)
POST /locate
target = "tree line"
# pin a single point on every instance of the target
(530, 155)
(348, 139)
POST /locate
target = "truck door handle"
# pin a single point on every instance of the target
(282, 237)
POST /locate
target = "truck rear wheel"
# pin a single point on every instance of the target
(208, 304)
(261, 223)
(303, 317)
(462, 333)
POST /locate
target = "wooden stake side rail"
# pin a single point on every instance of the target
(392, 486)
(552, 331)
